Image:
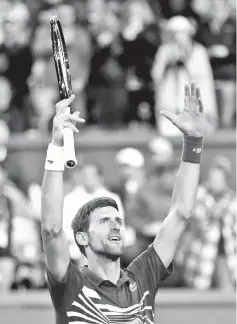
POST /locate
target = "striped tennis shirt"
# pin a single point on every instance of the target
(83, 297)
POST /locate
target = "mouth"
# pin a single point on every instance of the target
(115, 238)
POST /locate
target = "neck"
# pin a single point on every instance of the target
(104, 268)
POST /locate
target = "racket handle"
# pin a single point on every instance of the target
(69, 148)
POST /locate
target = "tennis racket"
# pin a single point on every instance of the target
(64, 84)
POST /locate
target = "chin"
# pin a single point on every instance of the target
(111, 253)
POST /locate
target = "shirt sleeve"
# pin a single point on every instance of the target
(63, 292)
(149, 270)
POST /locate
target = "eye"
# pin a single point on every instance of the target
(119, 221)
(104, 220)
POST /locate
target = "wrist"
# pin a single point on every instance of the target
(192, 149)
(57, 141)
(54, 158)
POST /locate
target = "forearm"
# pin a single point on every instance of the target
(183, 200)
(185, 189)
(52, 201)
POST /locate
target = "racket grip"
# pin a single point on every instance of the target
(69, 148)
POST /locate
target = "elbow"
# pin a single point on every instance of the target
(183, 212)
(50, 230)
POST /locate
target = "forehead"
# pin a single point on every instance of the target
(107, 211)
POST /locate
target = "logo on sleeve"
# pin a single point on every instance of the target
(50, 161)
(197, 150)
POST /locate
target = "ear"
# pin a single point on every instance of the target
(82, 238)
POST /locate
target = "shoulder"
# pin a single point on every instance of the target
(64, 292)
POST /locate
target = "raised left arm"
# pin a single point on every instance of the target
(190, 122)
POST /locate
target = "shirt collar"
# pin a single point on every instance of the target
(97, 280)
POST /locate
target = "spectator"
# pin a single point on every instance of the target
(91, 185)
(131, 172)
(217, 32)
(147, 209)
(4, 9)
(5, 97)
(19, 236)
(161, 152)
(178, 61)
(207, 251)
(106, 91)
(140, 37)
(15, 51)
(7, 261)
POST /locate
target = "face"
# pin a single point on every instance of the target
(126, 172)
(106, 233)
(217, 180)
(91, 178)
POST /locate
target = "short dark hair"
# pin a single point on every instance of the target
(81, 221)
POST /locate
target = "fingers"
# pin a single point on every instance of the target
(186, 96)
(193, 92)
(75, 117)
(169, 115)
(70, 125)
(65, 103)
(199, 100)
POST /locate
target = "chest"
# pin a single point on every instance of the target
(107, 304)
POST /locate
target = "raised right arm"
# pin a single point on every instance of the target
(55, 244)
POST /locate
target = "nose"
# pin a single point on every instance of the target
(115, 225)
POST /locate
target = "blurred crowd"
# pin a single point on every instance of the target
(129, 59)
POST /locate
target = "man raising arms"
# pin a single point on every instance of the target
(102, 292)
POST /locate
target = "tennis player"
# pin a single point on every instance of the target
(102, 292)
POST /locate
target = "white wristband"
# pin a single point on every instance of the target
(54, 158)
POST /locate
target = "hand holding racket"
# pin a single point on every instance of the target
(65, 90)
(64, 120)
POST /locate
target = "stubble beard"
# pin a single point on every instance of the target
(107, 252)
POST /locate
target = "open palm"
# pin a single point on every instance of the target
(190, 120)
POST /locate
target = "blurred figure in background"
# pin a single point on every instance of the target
(217, 32)
(7, 261)
(148, 207)
(15, 65)
(20, 243)
(140, 35)
(106, 90)
(90, 184)
(207, 251)
(161, 152)
(178, 61)
(5, 96)
(19, 236)
(131, 172)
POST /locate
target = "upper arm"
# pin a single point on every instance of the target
(168, 237)
(57, 255)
